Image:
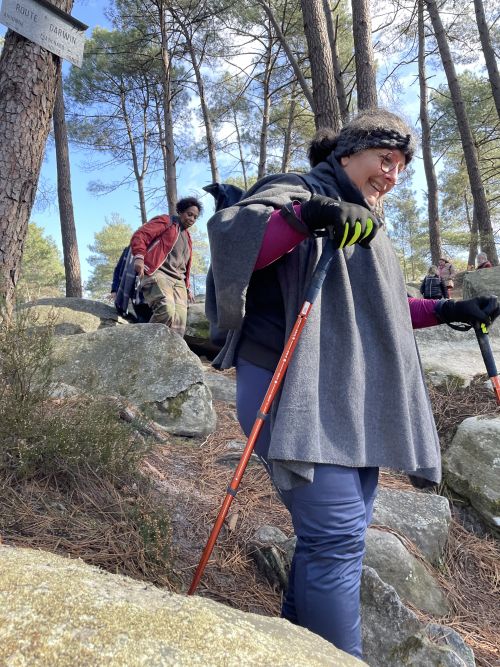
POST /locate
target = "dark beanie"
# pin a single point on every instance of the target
(373, 128)
(376, 128)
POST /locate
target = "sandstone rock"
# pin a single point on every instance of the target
(232, 455)
(393, 636)
(147, 364)
(471, 466)
(222, 386)
(61, 612)
(72, 315)
(395, 565)
(422, 517)
(482, 283)
(272, 552)
(450, 356)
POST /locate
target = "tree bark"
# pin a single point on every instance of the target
(473, 233)
(337, 67)
(430, 173)
(327, 113)
(28, 76)
(363, 55)
(481, 211)
(168, 122)
(66, 215)
(240, 150)
(489, 53)
(209, 132)
(291, 58)
(287, 144)
(266, 109)
(138, 171)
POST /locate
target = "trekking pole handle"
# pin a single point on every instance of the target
(320, 272)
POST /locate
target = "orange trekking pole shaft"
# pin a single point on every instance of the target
(314, 288)
(489, 361)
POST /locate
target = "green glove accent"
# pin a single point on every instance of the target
(357, 233)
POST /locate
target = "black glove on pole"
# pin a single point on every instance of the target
(477, 311)
(344, 223)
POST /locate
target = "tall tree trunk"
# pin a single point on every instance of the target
(363, 54)
(240, 150)
(209, 132)
(68, 230)
(473, 233)
(327, 113)
(266, 109)
(488, 52)
(168, 123)
(337, 67)
(430, 173)
(138, 172)
(28, 77)
(287, 144)
(481, 211)
(286, 48)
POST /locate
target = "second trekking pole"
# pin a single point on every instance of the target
(316, 282)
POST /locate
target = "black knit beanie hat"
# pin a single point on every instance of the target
(374, 128)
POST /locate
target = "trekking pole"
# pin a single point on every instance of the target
(481, 331)
(316, 282)
(489, 361)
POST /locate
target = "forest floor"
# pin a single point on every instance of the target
(158, 533)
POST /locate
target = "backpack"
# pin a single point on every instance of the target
(128, 291)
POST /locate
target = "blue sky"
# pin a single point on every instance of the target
(91, 211)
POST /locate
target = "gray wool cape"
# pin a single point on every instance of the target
(354, 392)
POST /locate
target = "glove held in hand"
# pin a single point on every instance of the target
(345, 223)
(480, 310)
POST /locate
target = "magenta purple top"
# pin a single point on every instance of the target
(280, 238)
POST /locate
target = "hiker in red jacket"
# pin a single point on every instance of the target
(162, 251)
(483, 262)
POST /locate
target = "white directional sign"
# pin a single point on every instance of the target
(47, 26)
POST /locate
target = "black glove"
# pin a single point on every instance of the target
(345, 223)
(481, 309)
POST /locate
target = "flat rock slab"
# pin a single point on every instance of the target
(71, 315)
(63, 613)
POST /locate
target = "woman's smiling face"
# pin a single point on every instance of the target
(374, 171)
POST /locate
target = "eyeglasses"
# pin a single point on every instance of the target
(387, 165)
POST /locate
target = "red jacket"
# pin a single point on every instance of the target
(154, 240)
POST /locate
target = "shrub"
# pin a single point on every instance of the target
(47, 436)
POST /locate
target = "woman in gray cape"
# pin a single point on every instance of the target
(353, 398)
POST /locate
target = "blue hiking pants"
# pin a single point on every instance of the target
(330, 517)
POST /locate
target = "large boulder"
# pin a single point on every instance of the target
(482, 282)
(197, 334)
(272, 552)
(147, 364)
(393, 635)
(71, 315)
(471, 466)
(422, 517)
(395, 565)
(450, 356)
(58, 611)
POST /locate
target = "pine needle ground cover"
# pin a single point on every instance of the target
(79, 477)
